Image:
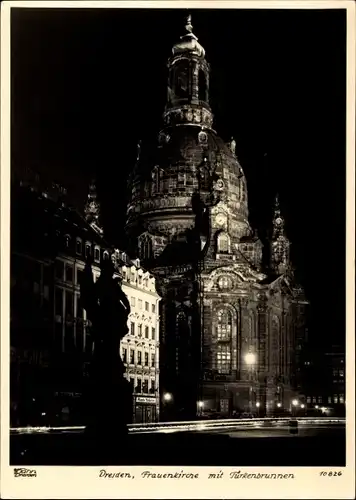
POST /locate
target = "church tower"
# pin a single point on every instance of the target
(227, 326)
(92, 209)
(279, 244)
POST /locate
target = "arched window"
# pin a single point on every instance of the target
(106, 255)
(182, 80)
(87, 250)
(79, 247)
(223, 243)
(223, 358)
(202, 86)
(146, 248)
(224, 325)
(97, 254)
(156, 180)
(67, 240)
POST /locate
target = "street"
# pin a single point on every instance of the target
(312, 445)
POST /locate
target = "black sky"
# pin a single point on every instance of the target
(87, 84)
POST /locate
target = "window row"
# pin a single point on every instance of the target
(338, 373)
(130, 356)
(140, 332)
(134, 278)
(143, 386)
(336, 398)
(87, 248)
(140, 305)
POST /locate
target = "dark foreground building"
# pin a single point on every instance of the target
(231, 327)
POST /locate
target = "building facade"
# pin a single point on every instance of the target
(140, 347)
(325, 381)
(50, 336)
(230, 326)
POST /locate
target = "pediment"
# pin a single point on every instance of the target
(242, 276)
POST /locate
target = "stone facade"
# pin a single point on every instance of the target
(228, 325)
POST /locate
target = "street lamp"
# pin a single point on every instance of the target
(295, 402)
(302, 406)
(279, 405)
(250, 358)
(167, 396)
(200, 405)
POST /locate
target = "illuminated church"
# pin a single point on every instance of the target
(231, 327)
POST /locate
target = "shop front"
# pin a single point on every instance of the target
(145, 409)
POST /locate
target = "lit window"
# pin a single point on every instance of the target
(224, 405)
(153, 308)
(320, 399)
(336, 399)
(223, 358)
(224, 324)
(308, 399)
(342, 399)
(329, 400)
(106, 255)
(146, 332)
(341, 373)
(223, 243)
(314, 399)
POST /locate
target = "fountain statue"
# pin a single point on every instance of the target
(108, 395)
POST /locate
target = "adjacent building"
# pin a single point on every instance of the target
(231, 325)
(325, 384)
(50, 336)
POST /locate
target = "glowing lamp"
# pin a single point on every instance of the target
(302, 406)
(167, 397)
(258, 404)
(279, 405)
(295, 402)
(250, 358)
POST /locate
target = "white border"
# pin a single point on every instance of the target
(82, 482)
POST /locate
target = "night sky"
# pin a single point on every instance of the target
(88, 84)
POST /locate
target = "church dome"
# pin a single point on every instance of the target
(185, 157)
(190, 161)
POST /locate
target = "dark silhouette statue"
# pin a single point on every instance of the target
(108, 395)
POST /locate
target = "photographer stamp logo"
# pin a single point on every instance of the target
(22, 472)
